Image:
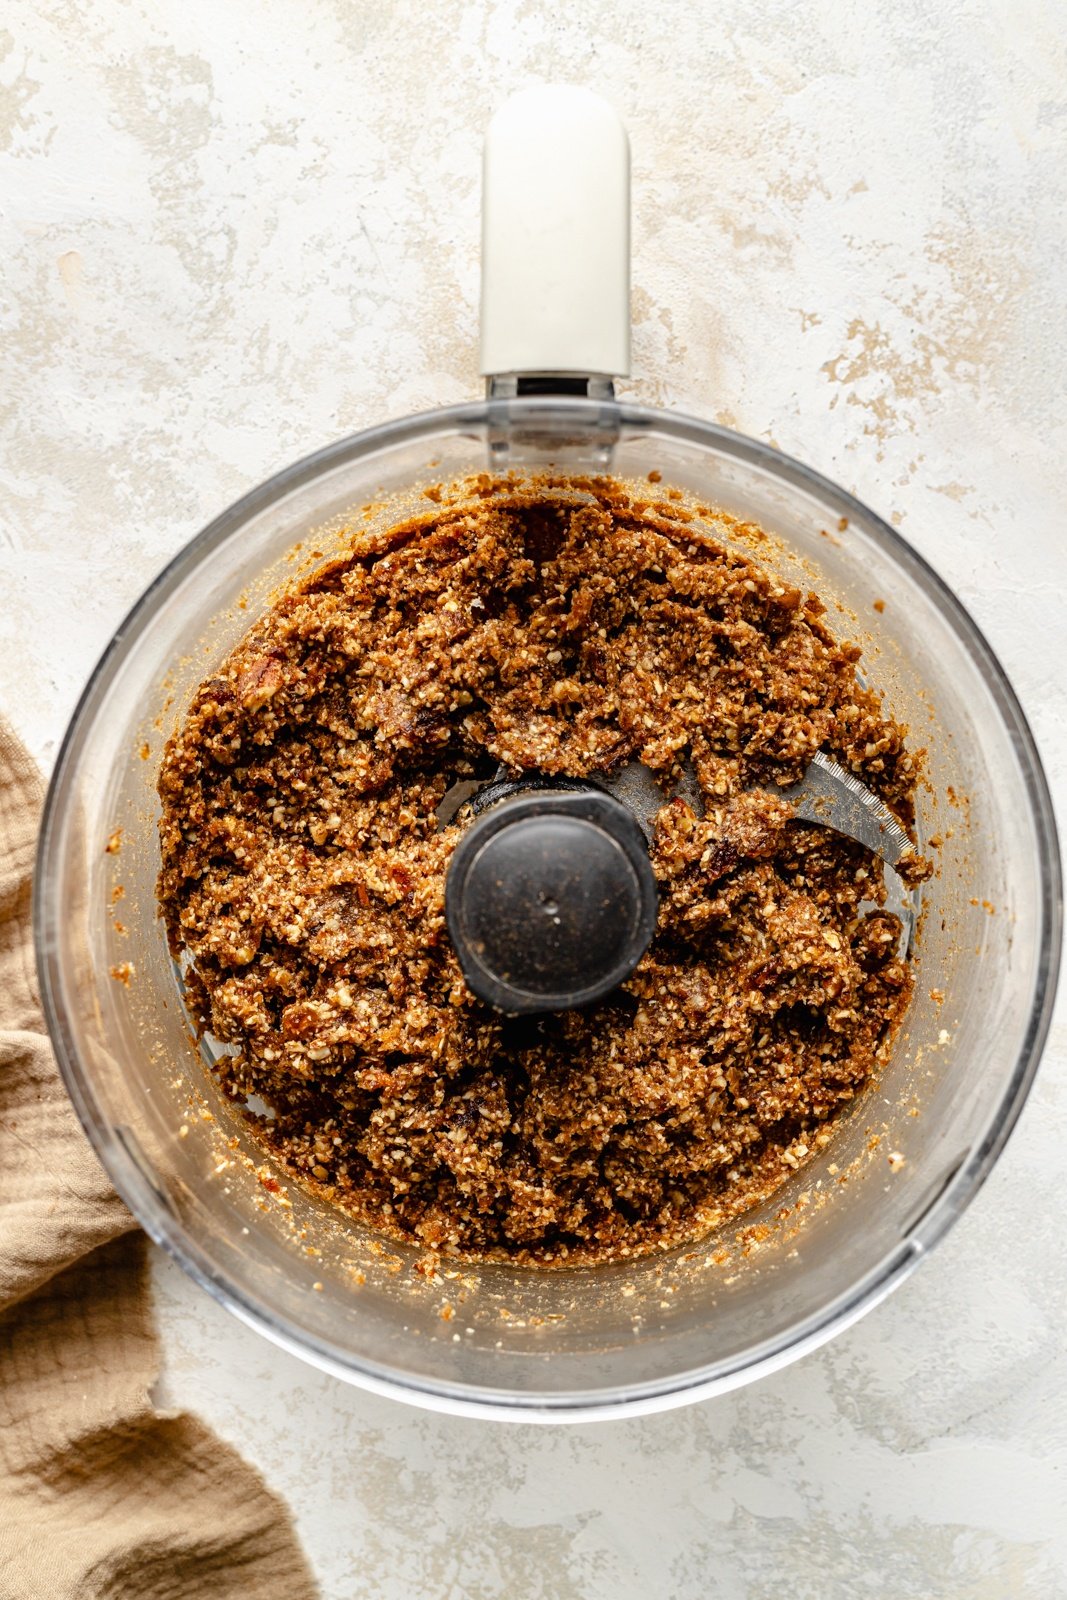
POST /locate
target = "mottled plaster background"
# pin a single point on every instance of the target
(233, 229)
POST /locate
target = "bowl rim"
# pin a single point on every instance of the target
(964, 1182)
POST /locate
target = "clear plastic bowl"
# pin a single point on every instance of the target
(572, 1343)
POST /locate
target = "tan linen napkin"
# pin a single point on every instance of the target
(101, 1495)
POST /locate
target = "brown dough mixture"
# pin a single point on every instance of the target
(303, 875)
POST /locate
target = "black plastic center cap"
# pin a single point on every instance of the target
(550, 900)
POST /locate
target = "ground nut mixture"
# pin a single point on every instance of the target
(304, 868)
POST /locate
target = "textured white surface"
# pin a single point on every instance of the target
(234, 230)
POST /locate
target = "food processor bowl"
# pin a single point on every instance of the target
(637, 1334)
(913, 1148)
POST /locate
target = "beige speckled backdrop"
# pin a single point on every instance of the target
(232, 229)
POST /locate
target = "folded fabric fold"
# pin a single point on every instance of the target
(100, 1493)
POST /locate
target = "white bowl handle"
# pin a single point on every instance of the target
(556, 237)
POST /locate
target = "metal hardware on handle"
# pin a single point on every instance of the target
(555, 244)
